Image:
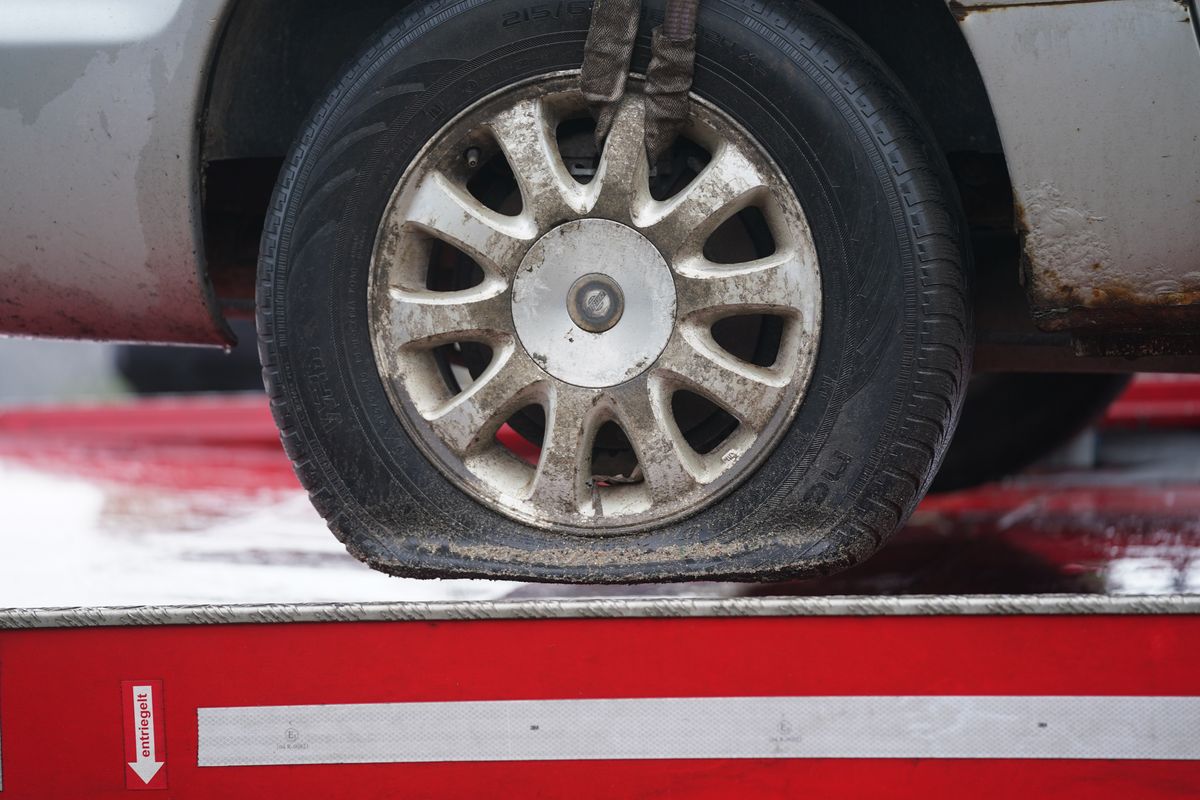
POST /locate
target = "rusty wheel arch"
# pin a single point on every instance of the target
(275, 59)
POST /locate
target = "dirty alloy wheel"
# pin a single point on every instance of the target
(581, 311)
(496, 349)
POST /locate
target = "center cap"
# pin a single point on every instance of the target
(594, 302)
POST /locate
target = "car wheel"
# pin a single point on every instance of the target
(493, 350)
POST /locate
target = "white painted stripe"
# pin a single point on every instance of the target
(707, 727)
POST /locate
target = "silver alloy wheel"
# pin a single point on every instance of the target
(597, 303)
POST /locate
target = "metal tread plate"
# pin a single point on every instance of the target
(653, 607)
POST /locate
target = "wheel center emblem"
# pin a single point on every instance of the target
(595, 302)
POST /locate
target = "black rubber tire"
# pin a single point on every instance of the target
(895, 341)
(1011, 420)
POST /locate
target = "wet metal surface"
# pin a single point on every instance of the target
(179, 501)
(192, 501)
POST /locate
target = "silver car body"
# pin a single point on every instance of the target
(101, 105)
(99, 102)
(1098, 107)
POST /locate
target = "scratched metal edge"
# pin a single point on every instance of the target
(601, 608)
(990, 5)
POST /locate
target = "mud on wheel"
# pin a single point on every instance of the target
(494, 348)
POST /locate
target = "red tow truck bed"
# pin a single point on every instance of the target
(919, 697)
(1037, 638)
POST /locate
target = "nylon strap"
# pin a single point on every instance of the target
(606, 56)
(606, 59)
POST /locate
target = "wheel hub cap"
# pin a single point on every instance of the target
(593, 303)
(596, 303)
(646, 338)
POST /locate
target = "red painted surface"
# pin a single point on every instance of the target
(518, 445)
(1157, 401)
(231, 442)
(62, 713)
(196, 443)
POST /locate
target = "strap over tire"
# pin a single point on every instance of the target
(606, 58)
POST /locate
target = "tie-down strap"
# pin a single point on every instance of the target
(606, 58)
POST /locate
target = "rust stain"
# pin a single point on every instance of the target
(1022, 221)
(1053, 292)
(1116, 307)
(1119, 296)
(961, 10)
(1072, 276)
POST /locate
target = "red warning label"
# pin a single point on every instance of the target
(145, 735)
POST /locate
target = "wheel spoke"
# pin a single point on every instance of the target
(643, 410)
(428, 319)
(771, 284)
(548, 192)
(559, 485)
(450, 213)
(680, 225)
(472, 417)
(622, 177)
(694, 361)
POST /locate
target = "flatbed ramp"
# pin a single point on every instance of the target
(934, 696)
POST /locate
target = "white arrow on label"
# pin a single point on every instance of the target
(147, 765)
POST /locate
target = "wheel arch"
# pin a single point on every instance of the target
(275, 58)
(272, 62)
